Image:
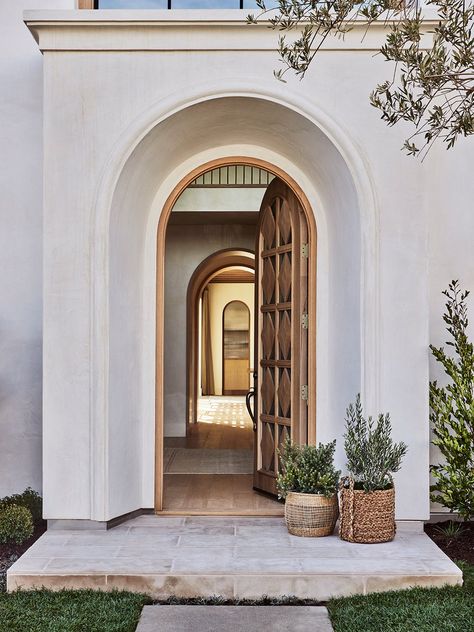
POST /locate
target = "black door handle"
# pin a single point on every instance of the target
(250, 395)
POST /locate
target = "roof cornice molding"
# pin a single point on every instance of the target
(164, 30)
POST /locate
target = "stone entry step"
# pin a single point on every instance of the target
(232, 557)
(234, 619)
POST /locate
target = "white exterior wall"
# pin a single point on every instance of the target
(391, 233)
(450, 198)
(20, 247)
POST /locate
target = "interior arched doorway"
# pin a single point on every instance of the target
(202, 274)
(235, 348)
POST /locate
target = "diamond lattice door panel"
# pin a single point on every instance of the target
(281, 344)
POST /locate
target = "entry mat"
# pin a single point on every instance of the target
(207, 461)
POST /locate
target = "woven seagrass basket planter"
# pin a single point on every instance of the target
(367, 517)
(311, 515)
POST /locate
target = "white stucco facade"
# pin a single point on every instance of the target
(21, 191)
(132, 102)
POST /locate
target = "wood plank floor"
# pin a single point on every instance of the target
(223, 423)
(219, 494)
(204, 435)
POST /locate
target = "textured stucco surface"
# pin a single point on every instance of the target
(21, 195)
(121, 129)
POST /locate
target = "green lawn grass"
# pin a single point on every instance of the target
(449, 609)
(70, 611)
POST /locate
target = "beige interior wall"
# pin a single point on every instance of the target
(199, 347)
(219, 295)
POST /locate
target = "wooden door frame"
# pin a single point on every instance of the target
(236, 300)
(160, 296)
(204, 273)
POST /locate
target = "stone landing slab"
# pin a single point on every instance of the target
(235, 618)
(234, 557)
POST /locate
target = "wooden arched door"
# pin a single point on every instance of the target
(281, 336)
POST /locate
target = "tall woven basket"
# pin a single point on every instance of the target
(311, 515)
(367, 517)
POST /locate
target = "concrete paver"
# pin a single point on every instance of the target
(234, 619)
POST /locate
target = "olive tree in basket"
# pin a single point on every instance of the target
(368, 493)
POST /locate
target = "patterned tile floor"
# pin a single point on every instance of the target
(227, 411)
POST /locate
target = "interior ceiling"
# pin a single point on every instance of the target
(214, 217)
(234, 275)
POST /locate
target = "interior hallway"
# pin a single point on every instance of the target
(211, 470)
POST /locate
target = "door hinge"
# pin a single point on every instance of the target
(304, 392)
(304, 320)
(305, 250)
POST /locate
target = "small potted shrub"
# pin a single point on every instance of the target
(368, 493)
(308, 481)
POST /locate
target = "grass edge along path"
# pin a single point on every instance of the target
(71, 611)
(447, 609)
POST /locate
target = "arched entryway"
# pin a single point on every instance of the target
(135, 197)
(288, 247)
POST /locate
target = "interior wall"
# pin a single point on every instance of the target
(220, 294)
(186, 248)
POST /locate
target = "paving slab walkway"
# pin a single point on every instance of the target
(234, 557)
(234, 619)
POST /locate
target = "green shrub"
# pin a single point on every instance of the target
(16, 524)
(29, 499)
(307, 469)
(372, 456)
(452, 411)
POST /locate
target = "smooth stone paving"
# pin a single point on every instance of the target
(234, 557)
(234, 618)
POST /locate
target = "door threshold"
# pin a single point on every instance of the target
(279, 513)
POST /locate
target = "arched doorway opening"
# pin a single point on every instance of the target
(204, 274)
(235, 348)
(280, 252)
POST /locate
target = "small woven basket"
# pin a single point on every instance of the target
(311, 515)
(366, 517)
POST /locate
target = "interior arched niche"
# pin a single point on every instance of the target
(250, 127)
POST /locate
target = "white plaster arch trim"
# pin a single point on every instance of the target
(100, 223)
